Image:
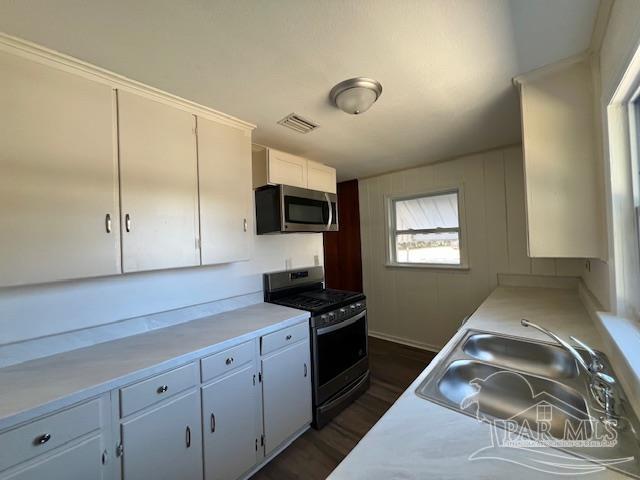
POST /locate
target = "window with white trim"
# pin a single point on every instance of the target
(425, 230)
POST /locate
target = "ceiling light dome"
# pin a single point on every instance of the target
(356, 95)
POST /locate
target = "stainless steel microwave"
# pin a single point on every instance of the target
(285, 209)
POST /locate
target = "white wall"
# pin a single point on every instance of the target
(35, 311)
(426, 306)
(620, 42)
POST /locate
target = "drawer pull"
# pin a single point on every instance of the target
(163, 388)
(305, 370)
(188, 436)
(42, 439)
(229, 361)
(213, 423)
(288, 337)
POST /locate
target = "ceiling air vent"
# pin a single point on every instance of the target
(297, 123)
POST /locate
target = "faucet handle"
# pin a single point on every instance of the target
(596, 363)
(608, 380)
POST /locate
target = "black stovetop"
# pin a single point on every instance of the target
(318, 301)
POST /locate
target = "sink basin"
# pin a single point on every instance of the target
(535, 358)
(484, 390)
(533, 391)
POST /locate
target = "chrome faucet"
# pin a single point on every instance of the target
(601, 384)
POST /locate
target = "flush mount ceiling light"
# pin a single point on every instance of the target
(355, 95)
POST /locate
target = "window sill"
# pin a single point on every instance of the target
(428, 266)
(623, 335)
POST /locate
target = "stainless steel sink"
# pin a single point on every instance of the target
(536, 358)
(528, 387)
(504, 395)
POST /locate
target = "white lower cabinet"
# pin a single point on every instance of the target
(286, 393)
(173, 426)
(164, 443)
(70, 444)
(81, 462)
(231, 423)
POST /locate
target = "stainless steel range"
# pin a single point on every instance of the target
(339, 348)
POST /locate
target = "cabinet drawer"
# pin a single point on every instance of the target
(143, 394)
(80, 462)
(47, 433)
(226, 361)
(273, 341)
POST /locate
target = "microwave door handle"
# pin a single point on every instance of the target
(326, 195)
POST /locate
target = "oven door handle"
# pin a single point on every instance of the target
(326, 195)
(338, 326)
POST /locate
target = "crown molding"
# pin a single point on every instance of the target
(32, 51)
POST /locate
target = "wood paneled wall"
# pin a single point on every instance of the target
(342, 253)
(424, 306)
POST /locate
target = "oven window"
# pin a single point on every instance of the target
(303, 210)
(340, 349)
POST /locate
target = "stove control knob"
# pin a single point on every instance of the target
(358, 305)
(342, 310)
(353, 307)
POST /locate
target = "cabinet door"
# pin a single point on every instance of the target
(224, 159)
(230, 425)
(561, 165)
(81, 462)
(164, 443)
(321, 177)
(58, 175)
(287, 169)
(286, 393)
(159, 185)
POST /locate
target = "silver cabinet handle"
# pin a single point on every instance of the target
(163, 388)
(107, 222)
(188, 436)
(127, 222)
(244, 223)
(305, 370)
(213, 423)
(42, 439)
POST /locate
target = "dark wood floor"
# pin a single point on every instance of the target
(316, 453)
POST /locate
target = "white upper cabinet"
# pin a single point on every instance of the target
(320, 177)
(99, 175)
(563, 188)
(58, 175)
(158, 185)
(273, 167)
(224, 158)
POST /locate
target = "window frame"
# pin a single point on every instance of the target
(391, 232)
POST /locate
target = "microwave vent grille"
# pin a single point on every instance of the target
(297, 123)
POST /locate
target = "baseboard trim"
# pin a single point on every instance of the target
(404, 341)
(275, 453)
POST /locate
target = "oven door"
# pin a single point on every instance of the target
(340, 356)
(308, 210)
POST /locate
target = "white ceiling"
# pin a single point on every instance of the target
(445, 65)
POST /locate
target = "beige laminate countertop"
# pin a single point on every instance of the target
(418, 439)
(37, 387)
